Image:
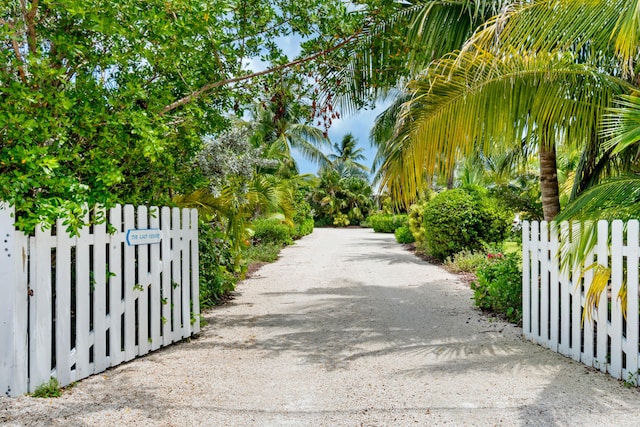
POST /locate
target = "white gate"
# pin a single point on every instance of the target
(74, 306)
(555, 299)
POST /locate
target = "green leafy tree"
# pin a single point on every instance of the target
(106, 102)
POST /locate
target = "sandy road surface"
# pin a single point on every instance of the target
(346, 329)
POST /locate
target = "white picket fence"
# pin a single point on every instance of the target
(554, 298)
(72, 307)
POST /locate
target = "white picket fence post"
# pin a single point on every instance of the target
(13, 306)
(97, 299)
(554, 299)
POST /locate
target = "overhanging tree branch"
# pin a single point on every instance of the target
(209, 87)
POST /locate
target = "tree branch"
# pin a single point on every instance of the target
(208, 87)
(16, 50)
(29, 19)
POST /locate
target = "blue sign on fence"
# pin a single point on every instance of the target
(143, 237)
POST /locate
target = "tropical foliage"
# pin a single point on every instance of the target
(340, 200)
(387, 223)
(346, 156)
(500, 75)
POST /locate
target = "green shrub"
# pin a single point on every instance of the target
(404, 235)
(271, 230)
(465, 261)
(323, 221)
(302, 217)
(220, 267)
(499, 286)
(461, 219)
(304, 228)
(383, 223)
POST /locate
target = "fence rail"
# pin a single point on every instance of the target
(555, 299)
(75, 306)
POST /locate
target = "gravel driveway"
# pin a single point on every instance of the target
(346, 329)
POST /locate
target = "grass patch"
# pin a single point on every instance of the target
(48, 390)
(267, 252)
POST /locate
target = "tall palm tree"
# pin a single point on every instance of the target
(346, 155)
(282, 124)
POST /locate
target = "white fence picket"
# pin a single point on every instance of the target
(165, 219)
(129, 288)
(155, 302)
(82, 307)
(602, 252)
(630, 344)
(195, 271)
(116, 305)
(176, 272)
(142, 289)
(96, 299)
(186, 271)
(535, 283)
(63, 304)
(526, 280)
(544, 282)
(616, 311)
(100, 301)
(14, 271)
(554, 297)
(575, 288)
(565, 292)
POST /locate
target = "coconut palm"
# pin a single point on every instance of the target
(562, 45)
(346, 155)
(282, 124)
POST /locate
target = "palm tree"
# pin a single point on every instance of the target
(282, 123)
(345, 157)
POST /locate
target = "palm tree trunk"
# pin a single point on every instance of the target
(451, 178)
(549, 182)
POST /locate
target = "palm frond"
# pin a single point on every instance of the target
(616, 198)
(390, 51)
(621, 125)
(586, 28)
